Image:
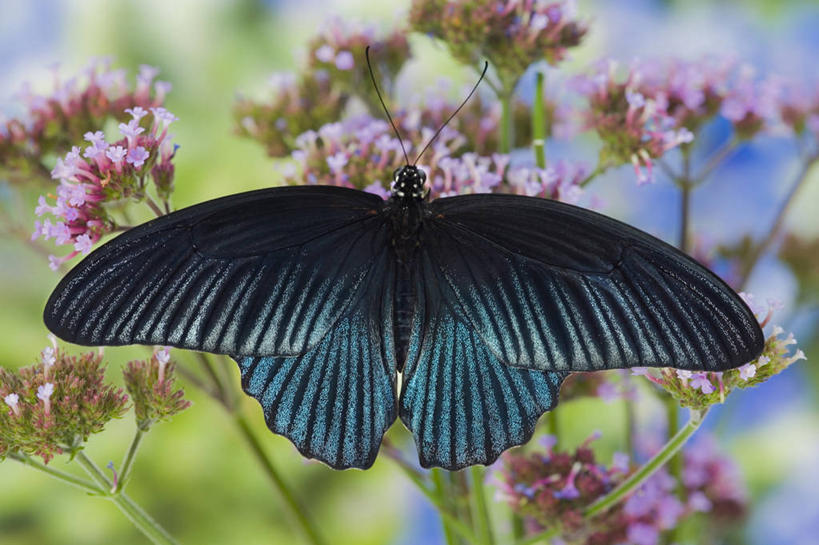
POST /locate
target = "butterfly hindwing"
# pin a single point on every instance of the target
(551, 286)
(462, 404)
(336, 401)
(260, 273)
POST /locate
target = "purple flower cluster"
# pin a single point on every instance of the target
(361, 152)
(512, 34)
(799, 108)
(635, 127)
(151, 386)
(698, 390)
(552, 489)
(51, 124)
(335, 72)
(46, 408)
(104, 172)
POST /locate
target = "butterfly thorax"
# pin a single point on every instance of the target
(406, 208)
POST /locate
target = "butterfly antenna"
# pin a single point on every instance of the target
(434, 136)
(386, 111)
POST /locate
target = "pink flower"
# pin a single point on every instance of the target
(747, 371)
(44, 393)
(83, 244)
(701, 381)
(12, 400)
(131, 130)
(345, 60)
(137, 156)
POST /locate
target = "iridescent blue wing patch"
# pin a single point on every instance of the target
(462, 404)
(261, 273)
(551, 286)
(336, 401)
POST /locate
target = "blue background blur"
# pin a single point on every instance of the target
(193, 474)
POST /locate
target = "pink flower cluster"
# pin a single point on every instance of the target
(362, 152)
(150, 384)
(104, 172)
(512, 34)
(635, 127)
(553, 488)
(52, 123)
(47, 407)
(701, 389)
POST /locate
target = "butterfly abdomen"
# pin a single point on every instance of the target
(403, 310)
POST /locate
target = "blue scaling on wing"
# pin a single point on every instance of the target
(462, 404)
(336, 401)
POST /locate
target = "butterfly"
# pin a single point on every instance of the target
(481, 304)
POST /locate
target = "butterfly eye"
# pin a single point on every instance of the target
(396, 173)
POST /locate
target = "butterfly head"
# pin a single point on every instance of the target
(408, 182)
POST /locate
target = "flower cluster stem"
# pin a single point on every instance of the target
(505, 141)
(649, 468)
(539, 123)
(128, 463)
(129, 507)
(441, 491)
(296, 509)
(483, 522)
(73, 480)
(759, 249)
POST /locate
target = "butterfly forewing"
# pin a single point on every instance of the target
(551, 286)
(261, 273)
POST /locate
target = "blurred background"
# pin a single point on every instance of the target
(195, 474)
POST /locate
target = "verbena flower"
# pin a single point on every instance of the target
(635, 128)
(105, 172)
(338, 52)
(49, 407)
(298, 104)
(362, 152)
(698, 390)
(151, 386)
(335, 72)
(53, 123)
(552, 489)
(512, 34)
(799, 108)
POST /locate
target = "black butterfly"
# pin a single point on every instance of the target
(483, 302)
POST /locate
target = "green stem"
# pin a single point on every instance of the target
(716, 158)
(685, 214)
(685, 185)
(83, 484)
(675, 465)
(656, 462)
(506, 143)
(599, 169)
(296, 509)
(482, 521)
(554, 426)
(779, 220)
(443, 495)
(129, 507)
(539, 124)
(541, 537)
(444, 510)
(128, 463)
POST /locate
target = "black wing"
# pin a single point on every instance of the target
(261, 273)
(336, 401)
(552, 286)
(462, 404)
